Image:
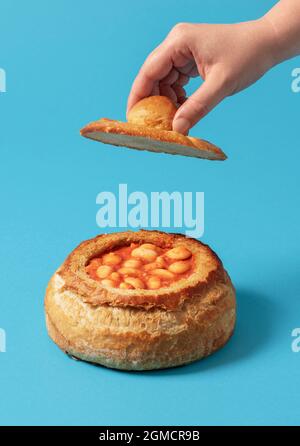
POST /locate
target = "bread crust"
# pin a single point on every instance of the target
(150, 128)
(179, 144)
(130, 334)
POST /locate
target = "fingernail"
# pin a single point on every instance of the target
(181, 125)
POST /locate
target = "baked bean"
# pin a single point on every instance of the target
(107, 282)
(104, 271)
(145, 254)
(150, 246)
(115, 276)
(135, 282)
(161, 263)
(111, 259)
(163, 274)
(153, 283)
(132, 263)
(125, 286)
(179, 253)
(180, 267)
(129, 271)
(150, 266)
(144, 266)
(94, 263)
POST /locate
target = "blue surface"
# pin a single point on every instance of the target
(68, 64)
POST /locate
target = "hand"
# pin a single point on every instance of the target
(228, 58)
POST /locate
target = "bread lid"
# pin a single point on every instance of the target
(149, 127)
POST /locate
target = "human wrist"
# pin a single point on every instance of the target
(283, 23)
(269, 41)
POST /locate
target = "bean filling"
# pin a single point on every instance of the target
(145, 266)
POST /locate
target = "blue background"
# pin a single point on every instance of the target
(68, 63)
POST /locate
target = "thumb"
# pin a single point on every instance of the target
(208, 95)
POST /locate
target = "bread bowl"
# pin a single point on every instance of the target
(149, 127)
(185, 316)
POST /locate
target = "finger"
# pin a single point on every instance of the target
(179, 91)
(182, 80)
(155, 68)
(156, 90)
(211, 92)
(167, 90)
(182, 100)
(171, 78)
(193, 72)
(187, 68)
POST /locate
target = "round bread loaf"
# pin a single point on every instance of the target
(102, 311)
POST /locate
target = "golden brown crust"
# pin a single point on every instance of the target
(135, 339)
(154, 111)
(138, 329)
(208, 269)
(200, 146)
(150, 128)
